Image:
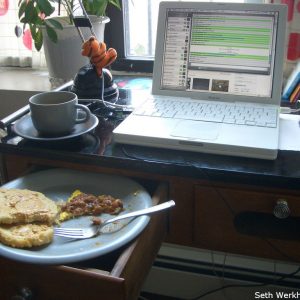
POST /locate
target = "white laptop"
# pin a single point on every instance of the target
(217, 81)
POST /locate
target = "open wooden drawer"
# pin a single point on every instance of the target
(118, 275)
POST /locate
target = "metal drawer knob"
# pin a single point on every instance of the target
(281, 209)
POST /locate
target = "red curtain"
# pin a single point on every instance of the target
(3, 7)
(293, 29)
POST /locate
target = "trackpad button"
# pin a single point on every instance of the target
(197, 130)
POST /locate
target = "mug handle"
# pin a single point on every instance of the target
(86, 111)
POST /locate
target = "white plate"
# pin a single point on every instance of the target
(24, 128)
(58, 184)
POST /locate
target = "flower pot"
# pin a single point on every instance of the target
(64, 58)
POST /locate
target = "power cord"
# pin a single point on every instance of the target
(246, 285)
(264, 239)
(232, 212)
(290, 110)
(107, 103)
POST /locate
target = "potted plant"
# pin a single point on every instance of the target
(57, 33)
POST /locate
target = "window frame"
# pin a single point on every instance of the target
(114, 37)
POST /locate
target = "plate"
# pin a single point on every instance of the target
(24, 128)
(58, 184)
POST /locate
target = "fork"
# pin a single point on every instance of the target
(85, 233)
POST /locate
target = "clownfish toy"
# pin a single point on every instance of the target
(99, 56)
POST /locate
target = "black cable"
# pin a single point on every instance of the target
(245, 285)
(215, 189)
(264, 239)
(233, 213)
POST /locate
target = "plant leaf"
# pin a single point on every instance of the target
(45, 7)
(37, 37)
(51, 33)
(116, 3)
(88, 5)
(33, 31)
(38, 41)
(99, 7)
(54, 23)
(22, 7)
(30, 13)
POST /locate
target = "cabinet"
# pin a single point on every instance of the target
(116, 276)
(242, 221)
(219, 215)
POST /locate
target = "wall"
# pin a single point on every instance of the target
(188, 273)
(17, 85)
(12, 100)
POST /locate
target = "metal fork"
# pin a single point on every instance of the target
(85, 233)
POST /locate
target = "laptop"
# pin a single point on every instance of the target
(217, 81)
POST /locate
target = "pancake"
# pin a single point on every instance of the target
(26, 235)
(26, 206)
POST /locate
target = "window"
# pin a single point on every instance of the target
(138, 32)
(135, 40)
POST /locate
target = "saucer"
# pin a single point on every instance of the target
(24, 128)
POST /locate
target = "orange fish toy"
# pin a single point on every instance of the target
(99, 56)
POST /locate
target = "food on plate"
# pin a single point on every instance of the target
(26, 235)
(26, 218)
(82, 204)
(96, 221)
(26, 206)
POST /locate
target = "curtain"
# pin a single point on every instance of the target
(16, 48)
(293, 34)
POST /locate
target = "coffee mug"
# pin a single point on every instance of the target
(55, 113)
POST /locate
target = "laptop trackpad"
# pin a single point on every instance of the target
(196, 130)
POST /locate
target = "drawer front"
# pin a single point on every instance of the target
(243, 222)
(115, 276)
(31, 282)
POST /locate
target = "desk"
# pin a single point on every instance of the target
(210, 191)
(223, 203)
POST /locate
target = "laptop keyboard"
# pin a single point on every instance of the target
(219, 112)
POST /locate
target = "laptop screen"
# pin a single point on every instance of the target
(222, 50)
